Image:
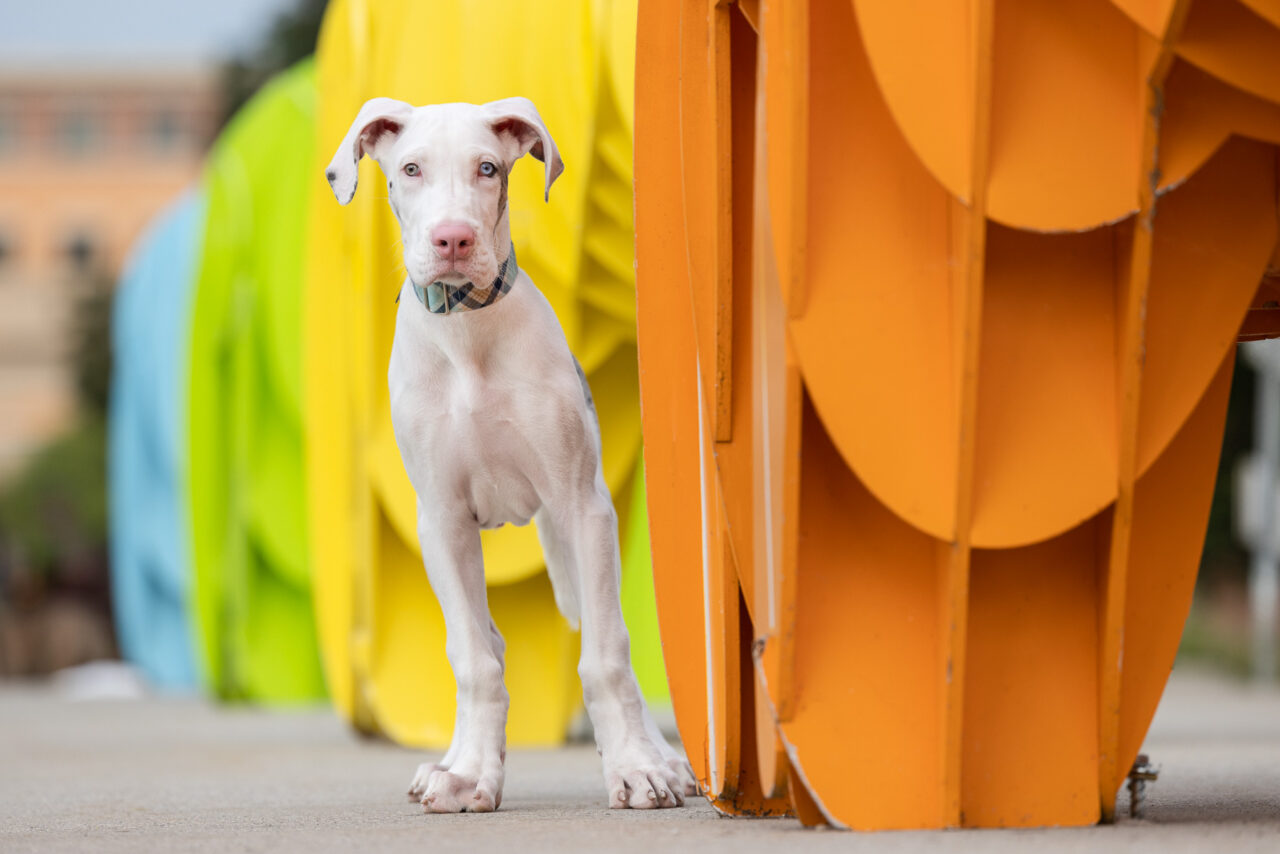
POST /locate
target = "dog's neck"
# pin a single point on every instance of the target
(443, 298)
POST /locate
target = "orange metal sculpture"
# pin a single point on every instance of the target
(937, 314)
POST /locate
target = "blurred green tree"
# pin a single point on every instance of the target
(1225, 559)
(53, 514)
(54, 598)
(292, 37)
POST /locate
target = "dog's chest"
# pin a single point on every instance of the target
(496, 473)
(468, 432)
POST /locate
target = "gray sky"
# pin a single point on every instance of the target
(39, 34)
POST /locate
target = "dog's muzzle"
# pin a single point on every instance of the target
(442, 298)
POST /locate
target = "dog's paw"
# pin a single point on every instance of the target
(422, 779)
(639, 778)
(450, 792)
(676, 764)
(685, 780)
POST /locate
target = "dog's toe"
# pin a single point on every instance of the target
(454, 793)
(617, 793)
(642, 782)
(422, 780)
(483, 802)
(642, 790)
(681, 777)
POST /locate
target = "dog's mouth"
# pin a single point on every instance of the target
(424, 269)
(456, 275)
(424, 276)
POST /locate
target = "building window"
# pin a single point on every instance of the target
(78, 131)
(81, 251)
(164, 130)
(8, 128)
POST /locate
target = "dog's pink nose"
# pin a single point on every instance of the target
(453, 240)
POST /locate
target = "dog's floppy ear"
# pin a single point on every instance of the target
(519, 118)
(379, 120)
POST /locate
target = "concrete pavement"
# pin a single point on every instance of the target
(182, 774)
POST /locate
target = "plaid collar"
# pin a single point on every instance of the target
(441, 298)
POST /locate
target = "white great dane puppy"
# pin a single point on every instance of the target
(495, 424)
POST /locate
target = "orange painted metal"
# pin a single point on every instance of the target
(936, 308)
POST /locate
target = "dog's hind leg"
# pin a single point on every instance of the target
(470, 777)
(558, 555)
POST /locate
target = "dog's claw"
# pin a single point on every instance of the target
(422, 781)
(649, 783)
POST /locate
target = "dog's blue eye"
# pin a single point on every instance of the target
(487, 169)
(411, 169)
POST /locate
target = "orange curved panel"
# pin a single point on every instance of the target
(1065, 114)
(1046, 456)
(1234, 44)
(1267, 9)
(1047, 358)
(1032, 645)
(1200, 113)
(702, 190)
(1066, 110)
(921, 54)
(1031, 683)
(1042, 388)
(867, 651)
(879, 283)
(1033, 648)
(1065, 106)
(784, 67)
(1152, 15)
(668, 378)
(1171, 515)
(933, 474)
(1212, 240)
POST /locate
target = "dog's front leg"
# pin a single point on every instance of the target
(641, 770)
(470, 777)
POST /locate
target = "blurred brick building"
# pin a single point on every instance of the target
(86, 159)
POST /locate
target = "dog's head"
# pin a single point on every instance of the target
(446, 168)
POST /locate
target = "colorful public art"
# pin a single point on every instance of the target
(937, 314)
(248, 489)
(936, 307)
(150, 548)
(380, 627)
(283, 468)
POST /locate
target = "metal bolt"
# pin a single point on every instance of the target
(1139, 774)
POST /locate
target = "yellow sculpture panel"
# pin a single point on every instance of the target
(381, 630)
